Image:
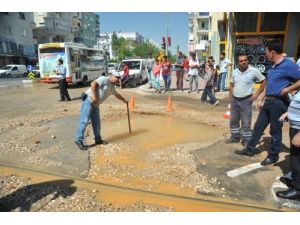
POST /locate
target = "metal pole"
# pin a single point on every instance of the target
(167, 43)
(128, 117)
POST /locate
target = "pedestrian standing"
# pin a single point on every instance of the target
(125, 74)
(179, 71)
(279, 78)
(157, 72)
(166, 73)
(224, 63)
(209, 81)
(150, 64)
(185, 68)
(61, 72)
(100, 90)
(293, 182)
(193, 72)
(241, 97)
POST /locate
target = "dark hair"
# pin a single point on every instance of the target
(242, 54)
(193, 54)
(60, 61)
(275, 46)
(165, 57)
(223, 53)
(211, 57)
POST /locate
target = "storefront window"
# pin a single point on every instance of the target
(273, 21)
(245, 22)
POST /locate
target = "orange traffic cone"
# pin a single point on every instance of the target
(169, 106)
(227, 114)
(132, 103)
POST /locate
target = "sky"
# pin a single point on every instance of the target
(149, 25)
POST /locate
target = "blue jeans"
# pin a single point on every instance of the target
(87, 112)
(269, 114)
(157, 82)
(167, 81)
(207, 91)
(222, 79)
(151, 77)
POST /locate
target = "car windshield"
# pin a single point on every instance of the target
(6, 68)
(111, 65)
(132, 65)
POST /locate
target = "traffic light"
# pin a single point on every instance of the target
(163, 46)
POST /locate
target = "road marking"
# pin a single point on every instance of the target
(244, 169)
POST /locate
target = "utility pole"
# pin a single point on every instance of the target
(167, 44)
(177, 48)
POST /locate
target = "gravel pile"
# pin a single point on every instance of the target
(20, 195)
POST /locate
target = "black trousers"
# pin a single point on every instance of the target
(63, 85)
(295, 160)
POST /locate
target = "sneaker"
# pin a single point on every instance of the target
(216, 103)
(101, 142)
(81, 146)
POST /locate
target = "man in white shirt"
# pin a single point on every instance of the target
(224, 63)
(193, 72)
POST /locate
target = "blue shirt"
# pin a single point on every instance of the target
(62, 71)
(294, 112)
(280, 76)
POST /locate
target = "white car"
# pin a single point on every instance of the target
(137, 69)
(111, 68)
(13, 71)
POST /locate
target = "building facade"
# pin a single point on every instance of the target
(16, 38)
(53, 27)
(86, 27)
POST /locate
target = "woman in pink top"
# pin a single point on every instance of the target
(156, 70)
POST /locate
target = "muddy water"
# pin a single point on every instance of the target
(153, 132)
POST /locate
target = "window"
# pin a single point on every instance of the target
(273, 21)
(245, 21)
(203, 25)
(8, 47)
(204, 37)
(203, 13)
(22, 16)
(21, 49)
(14, 48)
(1, 47)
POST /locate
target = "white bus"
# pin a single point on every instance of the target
(83, 64)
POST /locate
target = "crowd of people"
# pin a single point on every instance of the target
(273, 102)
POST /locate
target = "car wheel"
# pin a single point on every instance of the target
(24, 74)
(9, 75)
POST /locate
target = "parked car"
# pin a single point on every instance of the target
(111, 68)
(36, 71)
(13, 71)
(137, 70)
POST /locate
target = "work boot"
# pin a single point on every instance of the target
(81, 146)
(232, 140)
(244, 152)
(101, 142)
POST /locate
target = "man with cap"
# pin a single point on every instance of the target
(100, 90)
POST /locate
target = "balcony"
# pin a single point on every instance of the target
(203, 30)
(203, 15)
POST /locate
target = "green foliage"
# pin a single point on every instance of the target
(129, 48)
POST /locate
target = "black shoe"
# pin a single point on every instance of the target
(61, 100)
(81, 146)
(291, 194)
(232, 140)
(68, 99)
(269, 161)
(101, 142)
(244, 152)
(287, 181)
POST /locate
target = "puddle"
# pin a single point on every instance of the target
(153, 132)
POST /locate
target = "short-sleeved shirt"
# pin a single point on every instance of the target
(193, 71)
(179, 60)
(294, 112)
(223, 65)
(126, 71)
(62, 71)
(186, 64)
(243, 81)
(166, 68)
(280, 76)
(104, 90)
